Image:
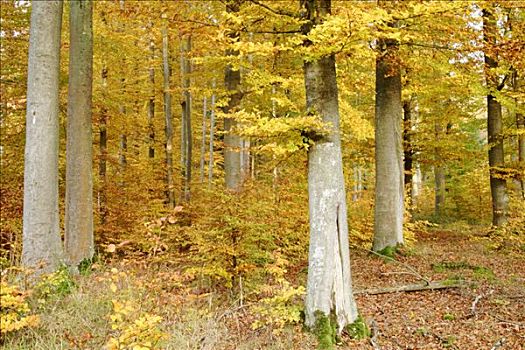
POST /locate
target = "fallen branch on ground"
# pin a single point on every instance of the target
(412, 270)
(373, 338)
(498, 344)
(410, 288)
(473, 310)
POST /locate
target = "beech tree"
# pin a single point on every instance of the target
(498, 184)
(389, 189)
(42, 246)
(168, 120)
(79, 243)
(186, 132)
(232, 141)
(329, 286)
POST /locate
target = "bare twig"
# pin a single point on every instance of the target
(502, 320)
(444, 341)
(408, 267)
(473, 310)
(280, 12)
(499, 344)
(232, 311)
(375, 333)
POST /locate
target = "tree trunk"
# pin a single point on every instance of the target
(151, 104)
(232, 142)
(389, 191)
(407, 147)
(123, 143)
(520, 123)
(212, 131)
(42, 246)
(203, 140)
(187, 141)
(519, 179)
(439, 172)
(329, 286)
(498, 185)
(103, 152)
(169, 121)
(78, 238)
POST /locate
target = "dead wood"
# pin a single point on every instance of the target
(410, 288)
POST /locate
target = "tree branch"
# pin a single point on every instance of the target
(410, 268)
(279, 12)
(430, 46)
(409, 288)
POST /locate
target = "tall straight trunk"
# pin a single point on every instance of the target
(520, 129)
(498, 185)
(389, 191)
(329, 285)
(439, 189)
(407, 145)
(169, 121)
(232, 142)
(203, 140)
(102, 145)
(212, 131)
(42, 246)
(78, 238)
(439, 172)
(186, 139)
(416, 184)
(520, 124)
(103, 153)
(123, 140)
(151, 104)
(358, 184)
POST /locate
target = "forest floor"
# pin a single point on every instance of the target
(486, 312)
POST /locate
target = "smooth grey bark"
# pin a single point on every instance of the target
(439, 172)
(519, 179)
(329, 285)
(232, 142)
(358, 184)
(151, 104)
(389, 189)
(168, 120)
(123, 142)
(408, 149)
(123, 139)
(520, 124)
(78, 238)
(102, 144)
(212, 131)
(42, 245)
(416, 184)
(498, 184)
(103, 153)
(203, 140)
(186, 139)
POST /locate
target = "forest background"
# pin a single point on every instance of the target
(174, 229)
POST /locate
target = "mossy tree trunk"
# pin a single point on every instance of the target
(329, 286)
